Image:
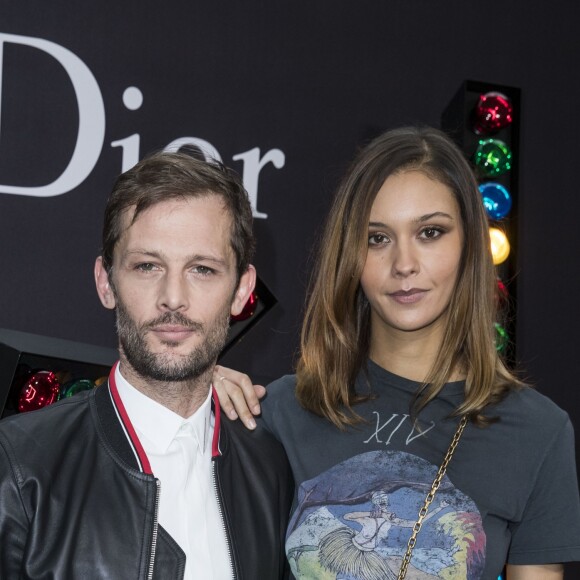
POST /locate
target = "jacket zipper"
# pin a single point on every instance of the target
(155, 527)
(223, 519)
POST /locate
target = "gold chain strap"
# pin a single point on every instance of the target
(430, 497)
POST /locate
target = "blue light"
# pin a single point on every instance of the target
(496, 200)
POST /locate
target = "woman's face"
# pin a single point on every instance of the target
(414, 249)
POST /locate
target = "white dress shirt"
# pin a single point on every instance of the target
(179, 451)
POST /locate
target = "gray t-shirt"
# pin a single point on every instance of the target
(510, 493)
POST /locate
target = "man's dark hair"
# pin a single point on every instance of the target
(164, 176)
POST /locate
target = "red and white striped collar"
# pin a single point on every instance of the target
(132, 437)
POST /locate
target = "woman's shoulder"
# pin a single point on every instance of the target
(280, 407)
(531, 407)
(533, 400)
(282, 389)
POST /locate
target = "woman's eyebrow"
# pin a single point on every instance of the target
(420, 219)
(429, 216)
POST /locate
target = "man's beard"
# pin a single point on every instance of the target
(168, 367)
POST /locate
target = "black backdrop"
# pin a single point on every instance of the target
(309, 79)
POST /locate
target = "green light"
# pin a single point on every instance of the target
(501, 337)
(493, 157)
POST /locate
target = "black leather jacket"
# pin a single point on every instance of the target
(75, 506)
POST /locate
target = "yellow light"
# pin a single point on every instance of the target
(500, 247)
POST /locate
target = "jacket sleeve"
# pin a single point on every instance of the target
(13, 519)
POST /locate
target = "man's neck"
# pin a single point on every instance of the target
(181, 397)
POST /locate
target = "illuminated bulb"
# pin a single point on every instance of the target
(502, 293)
(248, 309)
(496, 200)
(493, 157)
(40, 390)
(501, 337)
(73, 387)
(492, 113)
(500, 247)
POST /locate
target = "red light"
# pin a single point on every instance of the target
(40, 390)
(248, 309)
(502, 294)
(493, 112)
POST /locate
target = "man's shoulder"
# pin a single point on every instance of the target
(254, 451)
(258, 439)
(46, 427)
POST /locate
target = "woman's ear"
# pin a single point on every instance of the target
(104, 289)
(243, 291)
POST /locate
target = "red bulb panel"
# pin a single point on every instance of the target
(248, 309)
(40, 390)
(493, 112)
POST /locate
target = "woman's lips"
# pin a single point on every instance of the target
(411, 296)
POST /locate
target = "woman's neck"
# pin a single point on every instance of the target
(408, 354)
(405, 359)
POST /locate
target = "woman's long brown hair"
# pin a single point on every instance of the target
(336, 329)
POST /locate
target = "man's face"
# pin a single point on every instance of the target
(173, 284)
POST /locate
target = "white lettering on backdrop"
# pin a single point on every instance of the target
(91, 131)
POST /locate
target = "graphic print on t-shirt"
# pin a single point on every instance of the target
(353, 522)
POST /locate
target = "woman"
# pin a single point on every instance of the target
(399, 391)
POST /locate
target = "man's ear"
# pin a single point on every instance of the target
(245, 288)
(104, 289)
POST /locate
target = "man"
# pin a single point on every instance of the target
(140, 478)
